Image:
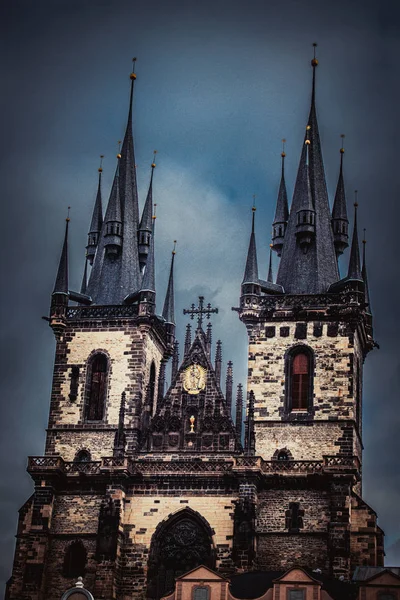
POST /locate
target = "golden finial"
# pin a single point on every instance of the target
(153, 164)
(133, 74)
(355, 198)
(283, 154)
(68, 219)
(364, 240)
(253, 208)
(314, 62)
(101, 163)
(154, 217)
(342, 148)
(271, 246)
(192, 420)
(173, 250)
(119, 149)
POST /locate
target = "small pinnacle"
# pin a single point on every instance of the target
(342, 148)
(174, 248)
(364, 240)
(133, 74)
(355, 198)
(68, 219)
(101, 163)
(153, 164)
(283, 153)
(314, 62)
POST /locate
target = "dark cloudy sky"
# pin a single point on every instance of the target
(219, 84)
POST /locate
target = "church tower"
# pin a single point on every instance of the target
(144, 479)
(309, 333)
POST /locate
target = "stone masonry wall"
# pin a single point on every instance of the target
(273, 504)
(276, 552)
(131, 349)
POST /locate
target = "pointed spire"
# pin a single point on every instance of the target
(340, 222)
(209, 338)
(145, 227)
(309, 268)
(149, 280)
(250, 436)
(113, 219)
(270, 277)
(282, 210)
(365, 278)
(354, 262)
(119, 442)
(84, 278)
(229, 385)
(97, 219)
(188, 339)
(239, 411)
(175, 361)
(251, 270)
(169, 303)
(218, 361)
(61, 283)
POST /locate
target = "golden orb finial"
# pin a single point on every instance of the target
(68, 219)
(314, 62)
(342, 148)
(119, 149)
(174, 248)
(154, 217)
(271, 246)
(101, 163)
(283, 153)
(153, 164)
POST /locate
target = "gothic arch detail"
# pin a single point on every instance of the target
(75, 560)
(97, 373)
(299, 376)
(282, 454)
(179, 544)
(83, 455)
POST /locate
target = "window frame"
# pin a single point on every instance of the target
(88, 387)
(289, 362)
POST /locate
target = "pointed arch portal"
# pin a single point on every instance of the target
(179, 544)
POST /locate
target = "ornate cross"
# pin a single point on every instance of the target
(200, 311)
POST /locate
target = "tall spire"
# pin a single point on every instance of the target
(282, 210)
(354, 262)
(149, 279)
(218, 361)
(251, 270)
(145, 227)
(340, 222)
(229, 385)
(365, 278)
(270, 277)
(97, 219)
(130, 271)
(310, 268)
(175, 361)
(168, 312)
(239, 411)
(84, 278)
(61, 283)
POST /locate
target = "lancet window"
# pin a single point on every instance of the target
(96, 387)
(299, 379)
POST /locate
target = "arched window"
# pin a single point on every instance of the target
(82, 456)
(299, 379)
(282, 455)
(152, 386)
(97, 387)
(75, 560)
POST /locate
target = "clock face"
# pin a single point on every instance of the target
(194, 379)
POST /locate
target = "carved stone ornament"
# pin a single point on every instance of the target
(194, 379)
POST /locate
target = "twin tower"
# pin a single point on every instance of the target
(141, 482)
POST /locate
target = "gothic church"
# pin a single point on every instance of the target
(142, 481)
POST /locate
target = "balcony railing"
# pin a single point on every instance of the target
(77, 313)
(135, 466)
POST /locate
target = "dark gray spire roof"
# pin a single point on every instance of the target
(113, 212)
(365, 277)
(354, 261)
(84, 278)
(61, 284)
(251, 270)
(149, 277)
(130, 271)
(147, 214)
(169, 305)
(114, 278)
(270, 277)
(282, 209)
(97, 216)
(339, 210)
(313, 271)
